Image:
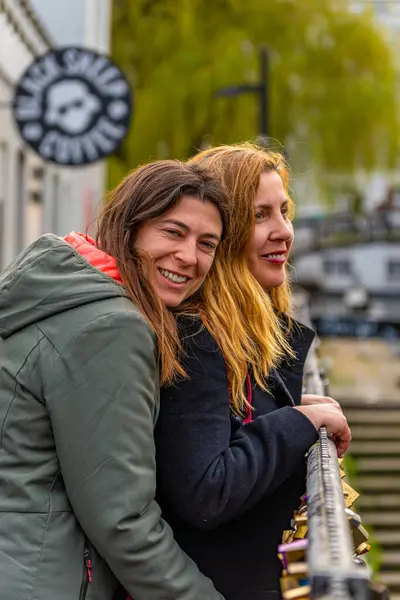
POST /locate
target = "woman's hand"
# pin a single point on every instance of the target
(309, 399)
(330, 415)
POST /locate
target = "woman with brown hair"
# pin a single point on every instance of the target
(80, 323)
(232, 436)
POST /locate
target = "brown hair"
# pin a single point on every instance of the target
(244, 319)
(146, 193)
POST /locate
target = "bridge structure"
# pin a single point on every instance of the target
(314, 234)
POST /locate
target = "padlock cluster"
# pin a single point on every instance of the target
(293, 550)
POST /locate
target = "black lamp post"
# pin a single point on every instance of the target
(260, 88)
(263, 92)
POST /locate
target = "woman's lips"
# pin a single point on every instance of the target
(278, 258)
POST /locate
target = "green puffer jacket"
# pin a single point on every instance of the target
(79, 397)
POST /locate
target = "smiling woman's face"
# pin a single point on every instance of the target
(273, 232)
(182, 244)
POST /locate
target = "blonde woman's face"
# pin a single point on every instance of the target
(273, 232)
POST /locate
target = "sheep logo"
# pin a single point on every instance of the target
(73, 106)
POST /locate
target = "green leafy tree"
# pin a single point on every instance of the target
(331, 87)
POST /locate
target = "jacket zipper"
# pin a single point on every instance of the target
(87, 573)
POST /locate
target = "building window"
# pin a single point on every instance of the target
(340, 267)
(4, 169)
(393, 269)
(20, 203)
(2, 211)
(4, 179)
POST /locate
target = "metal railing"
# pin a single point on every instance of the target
(333, 573)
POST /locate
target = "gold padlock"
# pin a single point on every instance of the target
(359, 533)
(292, 556)
(350, 495)
(297, 568)
(287, 536)
(360, 536)
(301, 532)
(288, 583)
(300, 593)
(362, 548)
(300, 517)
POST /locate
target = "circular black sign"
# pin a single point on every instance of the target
(73, 106)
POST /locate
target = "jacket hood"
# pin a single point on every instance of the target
(54, 275)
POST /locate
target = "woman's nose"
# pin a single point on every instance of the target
(186, 253)
(283, 230)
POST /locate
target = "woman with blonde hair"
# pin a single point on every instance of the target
(232, 435)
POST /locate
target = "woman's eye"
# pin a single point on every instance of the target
(259, 215)
(174, 232)
(209, 245)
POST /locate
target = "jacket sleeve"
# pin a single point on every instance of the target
(207, 474)
(102, 403)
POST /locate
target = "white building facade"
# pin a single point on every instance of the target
(38, 197)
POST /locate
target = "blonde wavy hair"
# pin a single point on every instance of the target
(244, 320)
